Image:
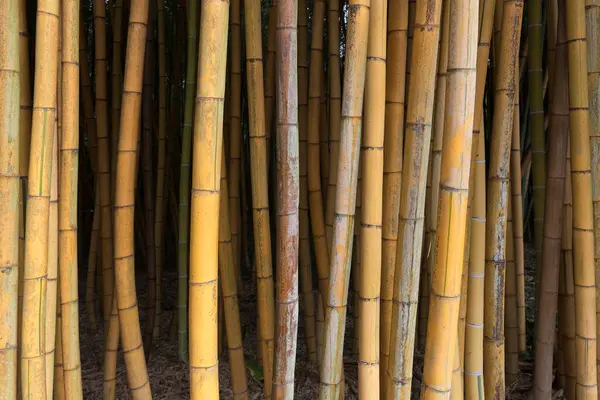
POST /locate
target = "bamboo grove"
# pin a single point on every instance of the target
(288, 199)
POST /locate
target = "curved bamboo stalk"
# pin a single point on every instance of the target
(260, 194)
(287, 202)
(67, 212)
(10, 137)
(131, 338)
(474, 324)
(159, 204)
(453, 198)
(583, 214)
(104, 166)
(592, 16)
(230, 296)
(347, 174)
(235, 132)
(33, 383)
(335, 108)
(306, 279)
(208, 143)
(392, 169)
(184, 181)
(553, 221)
(419, 115)
(372, 160)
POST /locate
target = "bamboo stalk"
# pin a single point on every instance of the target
(59, 371)
(392, 168)
(511, 324)
(372, 155)
(183, 224)
(259, 144)
(116, 80)
(208, 123)
(124, 208)
(33, 383)
(11, 136)
(497, 199)
(419, 116)
(347, 174)
(583, 214)
(453, 198)
(269, 77)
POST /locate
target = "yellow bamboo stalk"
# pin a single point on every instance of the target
(269, 78)
(59, 372)
(131, 338)
(306, 289)
(104, 166)
(10, 137)
(370, 251)
(583, 214)
(475, 309)
(33, 382)
(116, 80)
(497, 198)
(419, 116)
(111, 346)
(347, 174)
(235, 132)
(260, 194)
(457, 389)
(207, 153)
(592, 19)
(230, 303)
(453, 198)
(392, 168)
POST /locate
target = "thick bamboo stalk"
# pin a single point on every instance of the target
(370, 251)
(475, 308)
(124, 208)
(592, 16)
(184, 181)
(67, 212)
(260, 194)
(230, 296)
(536, 121)
(566, 288)
(208, 143)
(583, 214)
(392, 169)
(419, 116)
(159, 203)
(453, 198)
(553, 221)
(10, 137)
(287, 202)
(335, 107)
(33, 382)
(306, 289)
(345, 202)
(511, 324)
(103, 172)
(235, 132)
(497, 199)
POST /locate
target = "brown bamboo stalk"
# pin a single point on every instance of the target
(511, 324)
(269, 78)
(347, 174)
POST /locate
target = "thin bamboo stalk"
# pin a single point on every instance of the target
(583, 214)
(392, 169)
(323, 122)
(306, 285)
(347, 175)
(184, 181)
(553, 220)
(444, 300)
(269, 78)
(33, 383)
(208, 143)
(419, 116)
(59, 371)
(229, 295)
(124, 208)
(475, 308)
(90, 286)
(10, 137)
(111, 347)
(372, 160)
(497, 198)
(260, 194)
(116, 80)
(511, 324)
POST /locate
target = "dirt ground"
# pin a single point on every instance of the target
(169, 377)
